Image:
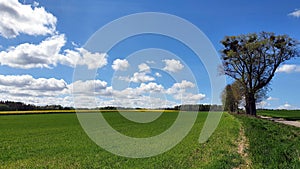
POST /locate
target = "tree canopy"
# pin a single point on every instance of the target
(253, 59)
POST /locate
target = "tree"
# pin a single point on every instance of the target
(253, 59)
(232, 96)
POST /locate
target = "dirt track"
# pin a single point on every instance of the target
(280, 120)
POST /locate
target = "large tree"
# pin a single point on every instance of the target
(253, 59)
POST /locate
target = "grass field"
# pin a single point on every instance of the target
(272, 145)
(58, 141)
(286, 114)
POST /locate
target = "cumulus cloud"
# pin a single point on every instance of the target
(16, 18)
(172, 65)
(91, 93)
(81, 56)
(26, 85)
(47, 54)
(144, 67)
(28, 55)
(180, 87)
(178, 91)
(139, 77)
(88, 87)
(288, 68)
(120, 64)
(189, 98)
(150, 87)
(296, 13)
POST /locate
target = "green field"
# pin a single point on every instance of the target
(286, 114)
(272, 145)
(58, 141)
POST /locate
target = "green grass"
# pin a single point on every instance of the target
(58, 141)
(272, 145)
(286, 114)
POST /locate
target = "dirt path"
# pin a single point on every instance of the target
(280, 120)
(243, 145)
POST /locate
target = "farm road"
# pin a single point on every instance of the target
(280, 120)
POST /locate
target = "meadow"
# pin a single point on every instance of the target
(58, 141)
(271, 145)
(286, 114)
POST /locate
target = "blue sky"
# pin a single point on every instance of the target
(42, 41)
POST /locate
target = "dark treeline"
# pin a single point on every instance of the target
(19, 106)
(199, 107)
(186, 107)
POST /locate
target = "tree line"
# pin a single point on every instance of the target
(19, 106)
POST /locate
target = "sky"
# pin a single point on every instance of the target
(43, 49)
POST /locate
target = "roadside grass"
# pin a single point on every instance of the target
(272, 145)
(286, 114)
(58, 141)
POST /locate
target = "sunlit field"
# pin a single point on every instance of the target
(58, 141)
(286, 114)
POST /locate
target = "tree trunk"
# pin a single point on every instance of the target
(250, 104)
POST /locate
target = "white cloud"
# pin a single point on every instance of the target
(121, 65)
(35, 4)
(26, 85)
(16, 18)
(47, 54)
(287, 107)
(88, 87)
(139, 77)
(178, 91)
(31, 56)
(296, 13)
(262, 104)
(157, 74)
(144, 68)
(189, 98)
(172, 65)
(272, 99)
(81, 56)
(150, 87)
(180, 87)
(90, 93)
(287, 68)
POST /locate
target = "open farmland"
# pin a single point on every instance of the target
(286, 114)
(58, 141)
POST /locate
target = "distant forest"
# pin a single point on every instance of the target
(19, 106)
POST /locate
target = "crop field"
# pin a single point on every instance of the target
(58, 141)
(286, 114)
